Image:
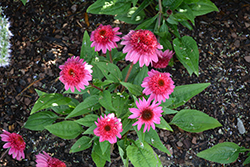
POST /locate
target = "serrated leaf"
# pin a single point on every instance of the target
(153, 139)
(109, 7)
(81, 144)
(88, 120)
(164, 125)
(132, 88)
(223, 153)
(187, 52)
(142, 155)
(49, 100)
(84, 107)
(105, 100)
(65, 129)
(203, 7)
(38, 120)
(185, 92)
(194, 121)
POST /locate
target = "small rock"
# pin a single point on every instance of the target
(194, 140)
(237, 43)
(27, 101)
(234, 35)
(179, 143)
(240, 126)
(247, 58)
(247, 25)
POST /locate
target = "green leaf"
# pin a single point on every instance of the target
(97, 156)
(187, 52)
(100, 83)
(24, 2)
(153, 139)
(133, 73)
(194, 121)
(38, 120)
(166, 44)
(105, 100)
(120, 103)
(40, 93)
(145, 24)
(49, 100)
(163, 31)
(172, 4)
(185, 10)
(223, 153)
(132, 88)
(185, 92)
(126, 125)
(141, 75)
(88, 120)
(110, 71)
(127, 17)
(186, 24)
(105, 145)
(81, 144)
(122, 152)
(87, 52)
(142, 6)
(65, 129)
(174, 30)
(203, 7)
(140, 133)
(142, 155)
(76, 91)
(247, 161)
(66, 109)
(84, 107)
(109, 7)
(164, 125)
(90, 130)
(190, 1)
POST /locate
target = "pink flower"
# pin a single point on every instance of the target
(163, 59)
(146, 114)
(142, 46)
(75, 73)
(16, 144)
(44, 160)
(158, 85)
(104, 37)
(108, 128)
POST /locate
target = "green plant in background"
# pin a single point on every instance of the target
(108, 101)
(162, 18)
(5, 36)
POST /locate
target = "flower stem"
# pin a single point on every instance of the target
(110, 57)
(96, 87)
(129, 71)
(4, 154)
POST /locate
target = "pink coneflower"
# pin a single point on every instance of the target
(16, 144)
(163, 59)
(44, 160)
(146, 114)
(108, 128)
(75, 73)
(142, 46)
(158, 85)
(104, 37)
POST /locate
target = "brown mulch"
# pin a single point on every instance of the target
(46, 33)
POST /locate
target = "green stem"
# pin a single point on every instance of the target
(110, 57)
(159, 18)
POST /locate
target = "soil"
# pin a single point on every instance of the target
(46, 33)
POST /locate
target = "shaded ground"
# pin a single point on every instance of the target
(47, 33)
